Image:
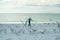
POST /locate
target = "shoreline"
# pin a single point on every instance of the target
(24, 22)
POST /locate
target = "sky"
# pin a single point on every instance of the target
(29, 6)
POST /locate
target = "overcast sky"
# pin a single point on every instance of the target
(29, 6)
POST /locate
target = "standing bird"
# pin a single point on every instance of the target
(29, 21)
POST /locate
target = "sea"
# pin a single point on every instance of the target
(36, 17)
